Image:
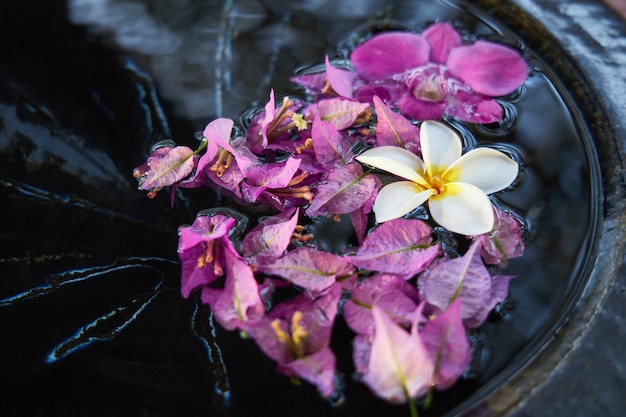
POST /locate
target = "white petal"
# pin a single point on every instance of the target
(486, 168)
(395, 160)
(441, 146)
(462, 208)
(397, 199)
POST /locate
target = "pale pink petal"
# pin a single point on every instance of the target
(399, 198)
(441, 146)
(473, 107)
(486, 168)
(399, 366)
(490, 69)
(442, 38)
(388, 54)
(462, 208)
(396, 161)
(394, 129)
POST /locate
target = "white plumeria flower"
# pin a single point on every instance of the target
(455, 186)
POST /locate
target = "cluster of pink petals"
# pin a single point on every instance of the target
(407, 301)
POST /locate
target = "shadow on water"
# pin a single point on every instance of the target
(90, 310)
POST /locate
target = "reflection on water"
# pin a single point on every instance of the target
(89, 300)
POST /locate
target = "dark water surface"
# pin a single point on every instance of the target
(91, 318)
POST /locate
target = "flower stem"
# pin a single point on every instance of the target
(413, 408)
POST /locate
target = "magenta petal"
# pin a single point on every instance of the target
(360, 216)
(446, 339)
(401, 246)
(239, 301)
(168, 166)
(389, 53)
(331, 148)
(344, 190)
(442, 38)
(261, 177)
(339, 111)
(317, 369)
(340, 80)
(417, 109)
(394, 129)
(474, 108)
(268, 241)
(490, 69)
(310, 269)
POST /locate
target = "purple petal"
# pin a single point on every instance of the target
(442, 38)
(217, 132)
(310, 269)
(340, 80)
(400, 246)
(317, 368)
(312, 82)
(339, 111)
(268, 241)
(504, 242)
(389, 292)
(344, 190)
(168, 166)
(394, 129)
(261, 177)
(399, 364)
(446, 340)
(331, 148)
(490, 69)
(360, 216)
(388, 54)
(466, 278)
(239, 301)
(499, 291)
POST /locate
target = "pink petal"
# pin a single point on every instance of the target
(317, 369)
(343, 190)
(310, 268)
(389, 53)
(340, 80)
(442, 38)
(168, 166)
(339, 111)
(394, 129)
(330, 147)
(446, 339)
(490, 69)
(268, 241)
(399, 364)
(401, 246)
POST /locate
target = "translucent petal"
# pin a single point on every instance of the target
(488, 68)
(462, 208)
(441, 146)
(486, 168)
(399, 198)
(395, 160)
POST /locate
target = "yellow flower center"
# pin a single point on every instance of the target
(295, 342)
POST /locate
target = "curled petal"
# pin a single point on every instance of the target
(390, 53)
(441, 146)
(396, 161)
(486, 168)
(418, 109)
(488, 68)
(462, 208)
(399, 198)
